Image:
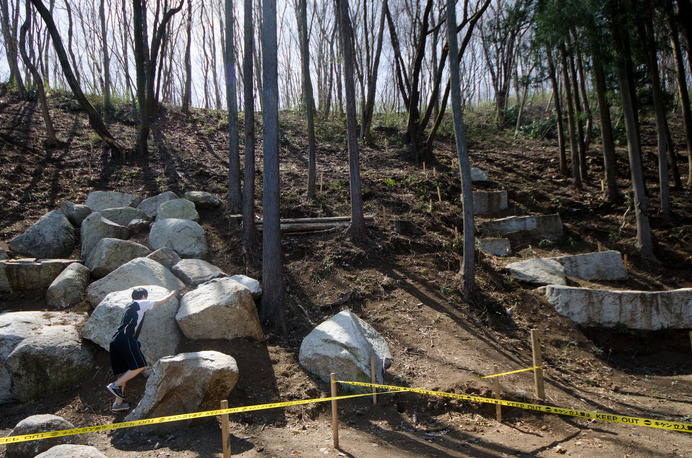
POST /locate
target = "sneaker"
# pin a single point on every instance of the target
(120, 407)
(115, 390)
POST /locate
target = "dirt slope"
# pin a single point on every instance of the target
(403, 283)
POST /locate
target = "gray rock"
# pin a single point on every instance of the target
(94, 228)
(194, 272)
(538, 271)
(343, 345)
(124, 215)
(478, 176)
(525, 227)
(495, 246)
(203, 199)
(183, 236)
(489, 202)
(165, 256)
(150, 206)
(219, 309)
(178, 209)
(253, 285)
(40, 424)
(75, 212)
(3, 254)
(634, 309)
(50, 359)
(109, 254)
(69, 288)
(137, 226)
(101, 200)
(72, 451)
(52, 236)
(600, 265)
(138, 272)
(160, 335)
(29, 274)
(188, 382)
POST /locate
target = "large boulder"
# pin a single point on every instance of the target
(69, 288)
(343, 344)
(94, 228)
(183, 236)
(219, 309)
(100, 200)
(151, 205)
(635, 309)
(548, 227)
(41, 424)
(165, 256)
(73, 451)
(75, 212)
(124, 215)
(194, 272)
(178, 209)
(600, 265)
(138, 272)
(50, 359)
(188, 382)
(52, 236)
(203, 199)
(29, 274)
(160, 335)
(109, 254)
(539, 271)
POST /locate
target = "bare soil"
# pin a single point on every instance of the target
(404, 283)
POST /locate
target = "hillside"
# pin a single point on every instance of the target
(404, 283)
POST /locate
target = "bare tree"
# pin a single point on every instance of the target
(249, 231)
(107, 105)
(187, 91)
(8, 24)
(301, 8)
(235, 197)
(372, 80)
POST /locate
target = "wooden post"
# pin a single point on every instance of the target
(435, 172)
(384, 216)
(456, 232)
(626, 261)
(373, 375)
(431, 206)
(423, 167)
(538, 362)
(602, 186)
(600, 246)
(321, 180)
(225, 431)
(439, 194)
(498, 391)
(335, 419)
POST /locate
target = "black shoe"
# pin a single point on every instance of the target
(115, 391)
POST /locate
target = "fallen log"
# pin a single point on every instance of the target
(315, 224)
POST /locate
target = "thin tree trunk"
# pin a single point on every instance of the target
(11, 48)
(235, 197)
(187, 92)
(684, 94)
(249, 231)
(107, 105)
(576, 176)
(307, 94)
(558, 114)
(583, 165)
(372, 81)
(611, 188)
(585, 101)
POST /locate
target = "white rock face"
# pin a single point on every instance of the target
(41, 424)
(530, 227)
(183, 236)
(100, 200)
(74, 212)
(634, 309)
(253, 285)
(601, 265)
(94, 228)
(151, 205)
(179, 209)
(54, 348)
(495, 246)
(52, 236)
(124, 215)
(188, 382)
(343, 345)
(69, 288)
(219, 309)
(196, 271)
(489, 202)
(73, 451)
(160, 335)
(109, 254)
(538, 271)
(138, 272)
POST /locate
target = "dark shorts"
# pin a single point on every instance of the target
(126, 354)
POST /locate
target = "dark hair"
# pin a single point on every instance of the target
(139, 293)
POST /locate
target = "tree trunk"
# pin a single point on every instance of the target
(372, 81)
(683, 92)
(108, 108)
(235, 198)
(358, 230)
(558, 114)
(51, 139)
(611, 188)
(571, 120)
(307, 95)
(94, 119)
(187, 92)
(585, 100)
(249, 231)
(11, 47)
(271, 309)
(468, 274)
(583, 165)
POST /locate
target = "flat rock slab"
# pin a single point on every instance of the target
(29, 274)
(100, 200)
(489, 202)
(496, 246)
(635, 309)
(194, 272)
(538, 271)
(600, 265)
(525, 227)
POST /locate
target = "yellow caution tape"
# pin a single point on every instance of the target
(154, 421)
(506, 373)
(672, 425)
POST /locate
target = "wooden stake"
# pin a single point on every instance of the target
(431, 205)
(335, 419)
(384, 216)
(225, 431)
(439, 194)
(321, 180)
(374, 380)
(456, 232)
(498, 391)
(626, 261)
(423, 167)
(600, 246)
(435, 172)
(538, 362)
